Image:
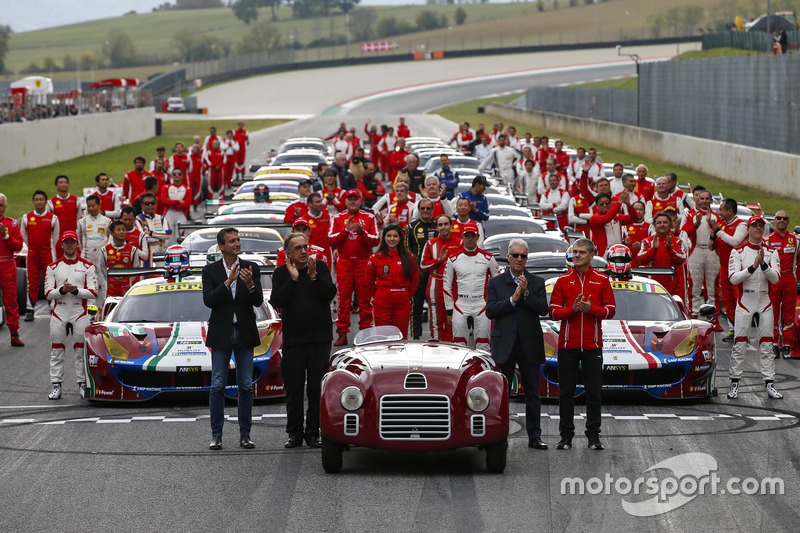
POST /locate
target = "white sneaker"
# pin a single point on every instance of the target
(55, 394)
(773, 393)
(82, 388)
(734, 392)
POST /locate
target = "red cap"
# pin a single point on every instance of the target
(300, 221)
(755, 218)
(69, 234)
(352, 192)
(470, 227)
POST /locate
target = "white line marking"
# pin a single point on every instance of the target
(17, 420)
(762, 418)
(46, 406)
(115, 421)
(630, 417)
(660, 415)
(93, 419)
(157, 418)
(180, 420)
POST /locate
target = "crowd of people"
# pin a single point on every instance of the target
(394, 239)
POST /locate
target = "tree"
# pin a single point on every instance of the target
(69, 63)
(429, 20)
(261, 38)
(194, 46)
(690, 19)
(389, 25)
(198, 4)
(672, 19)
(361, 22)
(656, 22)
(245, 10)
(119, 49)
(460, 16)
(346, 5)
(49, 64)
(5, 33)
(88, 61)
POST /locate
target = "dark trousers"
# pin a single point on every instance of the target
(529, 371)
(591, 364)
(304, 365)
(417, 302)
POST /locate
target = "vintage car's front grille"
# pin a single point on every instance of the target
(634, 378)
(351, 424)
(477, 425)
(416, 381)
(415, 416)
(167, 380)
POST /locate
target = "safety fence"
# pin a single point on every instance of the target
(610, 105)
(746, 40)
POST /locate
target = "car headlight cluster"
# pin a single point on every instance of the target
(477, 399)
(687, 345)
(352, 398)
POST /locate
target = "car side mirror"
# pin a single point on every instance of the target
(706, 312)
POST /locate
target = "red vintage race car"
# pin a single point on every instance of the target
(391, 394)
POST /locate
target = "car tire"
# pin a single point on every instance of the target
(496, 455)
(331, 456)
(203, 190)
(22, 290)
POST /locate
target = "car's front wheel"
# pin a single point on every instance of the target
(496, 456)
(331, 456)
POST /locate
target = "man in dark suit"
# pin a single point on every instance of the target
(231, 288)
(303, 290)
(516, 300)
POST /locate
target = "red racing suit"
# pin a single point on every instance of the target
(127, 256)
(752, 298)
(354, 249)
(67, 209)
(391, 289)
(291, 214)
(633, 233)
(335, 203)
(110, 204)
(582, 331)
(466, 278)
(320, 227)
(784, 292)
(70, 318)
(183, 162)
(243, 138)
(645, 189)
(399, 213)
(10, 243)
(40, 231)
(670, 253)
(729, 235)
(196, 177)
(133, 184)
(176, 200)
(215, 161)
(434, 261)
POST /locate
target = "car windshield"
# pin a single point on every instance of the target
(500, 248)
(199, 243)
(299, 145)
(307, 159)
(167, 306)
(647, 306)
(512, 226)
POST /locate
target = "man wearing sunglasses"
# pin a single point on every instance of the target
(782, 294)
(515, 302)
(176, 197)
(153, 226)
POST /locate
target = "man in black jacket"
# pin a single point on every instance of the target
(417, 234)
(302, 289)
(516, 300)
(231, 288)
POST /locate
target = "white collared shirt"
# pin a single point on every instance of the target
(233, 284)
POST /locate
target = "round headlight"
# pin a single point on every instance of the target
(477, 399)
(352, 398)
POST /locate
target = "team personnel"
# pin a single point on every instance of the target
(728, 235)
(176, 200)
(447, 177)
(503, 157)
(180, 159)
(479, 205)
(434, 262)
(466, 275)
(66, 206)
(418, 233)
(516, 299)
(10, 243)
(133, 183)
(230, 148)
(581, 300)
(434, 191)
(93, 237)
(353, 234)
(400, 210)
(645, 188)
(196, 174)
(303, 290)
(153, 226)
(39, 230)
(134, 234)
(242, 137)
(663, 249)
(703, 260)
(110, 203)
(332, 196)
(783, 293)
(119, 253)
(461, 220)
(392, 276)
(754, 266)
(301, 226)
(69, 283)
(636, 232)
(214, 160)
(555, 201)
(319, 223)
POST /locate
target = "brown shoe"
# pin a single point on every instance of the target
(293, 442)
(342, 340)
(313, 441)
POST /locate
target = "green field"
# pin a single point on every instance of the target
(487, 25)
(467, 111)
(115, 162)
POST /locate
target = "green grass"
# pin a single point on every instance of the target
(717, 52)
(615, 83)
(487, 25)
(467, 111)
(115, 162)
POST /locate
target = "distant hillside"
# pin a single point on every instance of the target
(152, 35)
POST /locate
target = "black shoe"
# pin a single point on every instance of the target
(537, 444)
(776, 350)
(246, 442)
(313, 441)
(29, 316)
(564, 444)
(216, 443)
(787, 352)
(595, 444)
(293, 442)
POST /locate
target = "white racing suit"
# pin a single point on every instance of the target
(466, 278)
(70, 317)
(93, 237)
(753, 305)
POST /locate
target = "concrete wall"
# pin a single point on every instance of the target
(35, 144)
(775, 172)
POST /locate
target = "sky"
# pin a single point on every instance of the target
(28, 15)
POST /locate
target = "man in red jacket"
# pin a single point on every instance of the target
(354, 233)
(665, 250)
(581, 300)
(133, 183)
(10, 243)
(40, 231)
(66, 207)
(783, 293)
